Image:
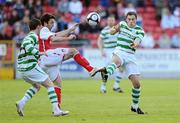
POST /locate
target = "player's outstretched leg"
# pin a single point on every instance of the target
(28, 95)
(109, 70)
(78, 58)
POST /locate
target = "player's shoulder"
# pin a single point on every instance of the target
(123, 23)
(105, 29)
(44, 29)
(31, 36)
(137, 27)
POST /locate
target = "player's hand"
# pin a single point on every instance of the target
(113, 31)
(134, 45)
(72, 36)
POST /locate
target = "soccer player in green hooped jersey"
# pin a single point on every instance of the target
(32, 73)
(107, 44)
(129, 38)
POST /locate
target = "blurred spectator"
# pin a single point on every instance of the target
(177, 16)
(75, 7)
(13, 18)
(148, 41)
(38, 6)
(38, 14)
(175, 41)
(134, 2)
(24, 24)
(19, 36)
(2, 1)
(52, 2)
(105, 3)
(140, 3)
(120, 11)
(27, 13)
(164, 41)
(139, 20)
(173, 3)
(30, 7)
(63, 6)
(76, 18)
(130, 7)
(159, 4)
(61, 24)
(6, 32)
(87, 3)
(1, 13)
(19, 7)
(168, 20)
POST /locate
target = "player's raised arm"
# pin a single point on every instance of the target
(67, 31)
(56, 38)
(138, 39)
(115, 29)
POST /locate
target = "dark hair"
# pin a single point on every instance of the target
(46, 17)
(34, 23)
(131, 13)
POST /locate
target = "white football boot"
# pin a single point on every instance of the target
(20, 106)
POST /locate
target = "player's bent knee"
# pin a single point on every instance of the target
(37, 86)
(73, 51)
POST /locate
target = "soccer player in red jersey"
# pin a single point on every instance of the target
(53, 58)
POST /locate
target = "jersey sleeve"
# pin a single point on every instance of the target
(121, 25)
(29, 47)
(45, 33)
(140, 34)
(102, 34)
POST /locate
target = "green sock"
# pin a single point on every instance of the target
(135, 97)
(52, 95)
(111, 68)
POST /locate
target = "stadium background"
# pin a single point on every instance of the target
(158, 54)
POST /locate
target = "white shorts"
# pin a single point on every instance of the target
(129, 62)
(36, 75)
(52, 60)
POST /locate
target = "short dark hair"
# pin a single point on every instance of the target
(131, 13)
(46, 17)
(34, 23)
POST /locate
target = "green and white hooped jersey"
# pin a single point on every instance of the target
(29, 52)
(109, 41)
(127, 35)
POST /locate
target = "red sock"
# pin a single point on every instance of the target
(58, 93)
(83, 62)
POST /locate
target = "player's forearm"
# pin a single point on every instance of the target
(59, 38)
(100, 45)
(64, 32)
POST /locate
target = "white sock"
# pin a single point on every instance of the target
(116, 85)
(135, 106)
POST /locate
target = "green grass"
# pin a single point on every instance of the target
(160, 98)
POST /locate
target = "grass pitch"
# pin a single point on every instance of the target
(160, 98)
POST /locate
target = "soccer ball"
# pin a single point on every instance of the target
(93, 18)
